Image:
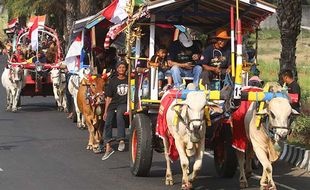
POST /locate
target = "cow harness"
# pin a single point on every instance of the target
(94, 100)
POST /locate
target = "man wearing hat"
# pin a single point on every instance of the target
(116, 99)
(182, 56)
(215, 59)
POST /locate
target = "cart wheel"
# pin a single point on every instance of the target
(140, 147)
(225, 159)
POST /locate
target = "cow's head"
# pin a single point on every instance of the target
(95, 86)
(55, 76)
(16, 73)
(194, 108)
(279, 112)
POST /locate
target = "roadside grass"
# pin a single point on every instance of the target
(269, 49)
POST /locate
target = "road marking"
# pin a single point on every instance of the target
(211, 155)
(1, 170)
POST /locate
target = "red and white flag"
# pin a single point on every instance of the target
(116, 11)
(74, 52)
(34, 34)
(75, 47)
(13, 23)
(112, 33)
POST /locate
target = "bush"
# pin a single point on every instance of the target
(301, 131)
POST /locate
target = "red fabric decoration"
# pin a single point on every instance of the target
(162, 127)
(239, 141)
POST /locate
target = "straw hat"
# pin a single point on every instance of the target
(186, 39)
(221, 34)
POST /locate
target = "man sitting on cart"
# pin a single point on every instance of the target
(183, 60)
(159, 60)
(18, 55)
(40, 58)
(215, 59)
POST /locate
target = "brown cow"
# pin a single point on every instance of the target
(90, 100)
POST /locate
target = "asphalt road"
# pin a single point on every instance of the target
(42, 150)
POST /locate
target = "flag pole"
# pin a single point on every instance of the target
(232, 40)
(129, 41)
(238, 78)
(37, 48)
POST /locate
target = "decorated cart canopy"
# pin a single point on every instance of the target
(207, 15)
(204, 16)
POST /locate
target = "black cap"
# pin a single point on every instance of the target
(120, 63)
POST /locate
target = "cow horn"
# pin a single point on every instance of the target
(294, 112)
(104, 76)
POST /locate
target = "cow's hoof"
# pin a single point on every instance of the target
(186, 186)
(243, 184)
(89, 147)
(169, 180)
(14, 110)
(79, 126)
(60, 109)
(264, 187)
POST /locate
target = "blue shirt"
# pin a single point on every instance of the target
(211, 53)
(41, 59)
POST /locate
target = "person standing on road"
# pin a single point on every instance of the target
(292, 87)
(116, 100)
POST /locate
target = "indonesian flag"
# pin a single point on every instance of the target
(112, 33)
(72, 58)
(34, 34)
(13, 23)
(116, 11)
(41, 20)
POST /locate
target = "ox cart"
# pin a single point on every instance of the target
(205, 17)
(38, 80)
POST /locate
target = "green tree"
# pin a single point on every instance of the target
(87, 8)
(54, 10)
(289, 14)
(71, 15)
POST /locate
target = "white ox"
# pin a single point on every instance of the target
(189, 135)
(73, 87)
(278, 111)
(59, 88)
(13, 81)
